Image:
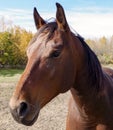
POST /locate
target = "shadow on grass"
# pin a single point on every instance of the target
(10, 72)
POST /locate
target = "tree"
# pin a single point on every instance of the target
(13, 45)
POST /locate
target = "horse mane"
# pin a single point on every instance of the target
(93, 66)
(49, 27)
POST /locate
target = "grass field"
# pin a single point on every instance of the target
(10, 75)
(52, 116)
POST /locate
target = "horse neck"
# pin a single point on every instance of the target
(89, 75)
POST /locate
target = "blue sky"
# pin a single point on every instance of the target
(49, 4)
(90, 18)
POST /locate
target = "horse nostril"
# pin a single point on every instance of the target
(22, 109)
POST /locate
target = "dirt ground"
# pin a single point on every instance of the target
(52, 116)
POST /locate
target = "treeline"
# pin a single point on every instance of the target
(13, 43)
(103, 47)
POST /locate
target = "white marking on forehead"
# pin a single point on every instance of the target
(32, 48)
(39, 42)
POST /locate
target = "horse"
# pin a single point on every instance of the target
(60, 60)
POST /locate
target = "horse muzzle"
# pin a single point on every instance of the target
(25, 113)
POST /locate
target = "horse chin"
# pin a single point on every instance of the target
(30, 122)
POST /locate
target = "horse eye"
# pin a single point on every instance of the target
(55, 54)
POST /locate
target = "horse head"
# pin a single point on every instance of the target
(49, 70)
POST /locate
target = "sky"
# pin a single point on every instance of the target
(90, 18)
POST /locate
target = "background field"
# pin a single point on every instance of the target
(52, 117)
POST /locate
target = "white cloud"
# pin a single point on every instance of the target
(88, 23)
(92, 25)
(22, 18)
(93, 9)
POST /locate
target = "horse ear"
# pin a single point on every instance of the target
(61, 18)
(38, 19)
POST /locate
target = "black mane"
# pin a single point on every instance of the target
(93, 65)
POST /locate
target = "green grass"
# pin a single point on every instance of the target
(10, 75)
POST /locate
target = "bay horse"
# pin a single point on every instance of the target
(58, 61)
